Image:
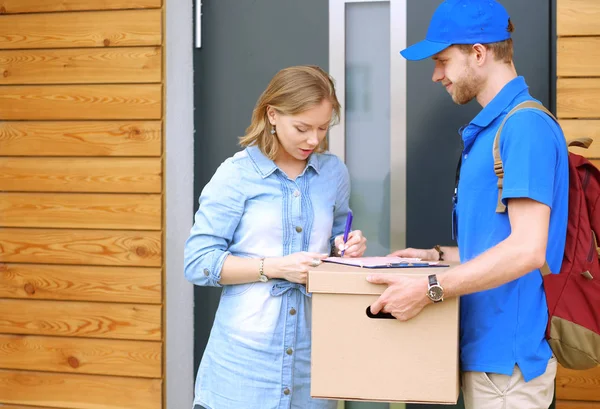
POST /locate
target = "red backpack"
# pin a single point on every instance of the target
(572, 295)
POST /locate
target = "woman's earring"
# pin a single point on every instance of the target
(273, 130)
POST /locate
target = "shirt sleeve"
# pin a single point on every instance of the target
(342, 203)
(221, 207)
(529, 152)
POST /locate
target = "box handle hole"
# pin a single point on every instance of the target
(380, 315)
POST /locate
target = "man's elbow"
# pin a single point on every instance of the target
(534, 257)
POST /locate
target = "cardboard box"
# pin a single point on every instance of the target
(355, 357)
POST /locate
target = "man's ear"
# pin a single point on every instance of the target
(480, 53)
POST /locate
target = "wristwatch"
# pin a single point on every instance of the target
(261, 273)
(435, 292)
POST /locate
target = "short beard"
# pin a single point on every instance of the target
(467, 87)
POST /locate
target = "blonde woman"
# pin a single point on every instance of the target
(269, 214)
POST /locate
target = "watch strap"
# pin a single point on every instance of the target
(432, 280)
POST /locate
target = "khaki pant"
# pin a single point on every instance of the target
(482, 390)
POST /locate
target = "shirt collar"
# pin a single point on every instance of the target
(266, 166)
(500, 102)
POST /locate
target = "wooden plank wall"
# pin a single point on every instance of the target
(81, 205)
(578, 109)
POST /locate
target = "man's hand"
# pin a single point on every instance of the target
(423, 254)
(404, 298)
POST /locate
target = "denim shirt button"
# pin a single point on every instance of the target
(289, 351)
(286, 391)
(293, 311)
(296, 193)
(206, 272)
(299, 229)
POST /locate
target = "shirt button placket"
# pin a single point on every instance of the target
(289, 343)
(296, 220)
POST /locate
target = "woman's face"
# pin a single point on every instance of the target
(299, 135)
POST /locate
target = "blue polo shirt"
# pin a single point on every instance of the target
(505, 326)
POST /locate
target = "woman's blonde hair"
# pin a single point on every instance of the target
(291, 91)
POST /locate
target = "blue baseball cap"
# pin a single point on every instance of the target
(461, 22)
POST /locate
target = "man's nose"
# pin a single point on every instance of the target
(438, 74)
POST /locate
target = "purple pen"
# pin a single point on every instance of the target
(347, 229)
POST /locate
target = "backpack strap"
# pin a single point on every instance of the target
(499, 168)
(583, 142)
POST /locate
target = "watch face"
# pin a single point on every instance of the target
(435, 293)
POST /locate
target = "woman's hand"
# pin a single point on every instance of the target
(293, 268)
(355, 246)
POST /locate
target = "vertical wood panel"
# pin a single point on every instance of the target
(81, 211)
(40, 6)
(578, 57)
(87, 138)
(87, 29)
(78, 85)
(76, 355)
(578, 128)
(578, 98)
(81, 283)
(109, 175)
(96, 247)
(578, 17)
(52, 102)
(578, 385)
(79, 391)
(81, 65)
(81, 319)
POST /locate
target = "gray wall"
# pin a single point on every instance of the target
(179, 134)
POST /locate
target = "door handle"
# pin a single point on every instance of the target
(198, 33)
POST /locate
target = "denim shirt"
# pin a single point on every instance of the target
(258, 353)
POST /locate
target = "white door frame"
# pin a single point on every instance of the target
(337, 140)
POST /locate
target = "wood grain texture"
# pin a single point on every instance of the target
(578, 97)
(577, 17)
(39, 6)
(578, 385)
(81, 66)
(72, 138)
(109, 175)
(577, 128)
(76, 391)
(74, 30)
(81, 283)
(578, 57)
(81, 319)
(566, 404)
(76, 355)
(76, 102)
(94, 247)
(81, 211)
(5, 406)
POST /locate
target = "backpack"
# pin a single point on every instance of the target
(573, 294)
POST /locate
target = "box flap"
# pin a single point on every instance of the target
(333, 278)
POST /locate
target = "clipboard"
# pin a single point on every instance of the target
(383, 262)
